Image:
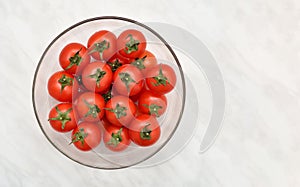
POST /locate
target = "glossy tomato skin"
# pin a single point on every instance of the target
(116, 138)
(61, 117)
(97, 77)
(136, 97)
(145, 62)
(144, 130)
(161, 79)
(60, 86)
(128, 80)
(90, 106)
(152, 103)
(120, 110)
(102, 42)
(86, 136)
(73, 57)
(131, 43)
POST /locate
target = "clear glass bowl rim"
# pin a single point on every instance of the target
(121, 19)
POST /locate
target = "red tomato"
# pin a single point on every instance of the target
(120, 110)
(72, 56)
(102, 45)
(90, 106)
(86, 136)
(161, 79)
(116, 138)
(144, 130)
(145, 62)
(60, 86)
(61, 117)
(152, 103)
(97, 77)
(128, 80)
(131, 43)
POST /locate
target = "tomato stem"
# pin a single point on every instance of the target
(119, 111)
(79, 136)
(100, 47)
(114, 65)
(63, 117)
(93, 110)
(75, 59)
(160, 78)
(98, 76)
(116, 138)
(126, 79)
(107, 96)
(153, 109)
(139, 62)
(145, 133)
(131, 45)
(65, 81)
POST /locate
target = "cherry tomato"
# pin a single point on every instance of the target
(86, 136)
(102, 45)
(152, 103)
(161, 79)
(131, 43)
(144, 130)
(120, 110)
(90, 106)
(60, 86)
(145, 62)
(128, 80)
(97, 77)
(116, 138)
(73, 56)
(61, 117)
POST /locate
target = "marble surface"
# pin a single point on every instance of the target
(257, 46)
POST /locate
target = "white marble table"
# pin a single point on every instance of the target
(257, 46)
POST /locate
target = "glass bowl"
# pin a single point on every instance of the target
(101, 157)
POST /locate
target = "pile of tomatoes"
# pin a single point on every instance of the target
(112, 89)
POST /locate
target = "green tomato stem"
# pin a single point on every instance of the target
(75, 60)
(63, 117)
(131, 45)
(145, 133)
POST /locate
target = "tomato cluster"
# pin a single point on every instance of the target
(112, 89)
